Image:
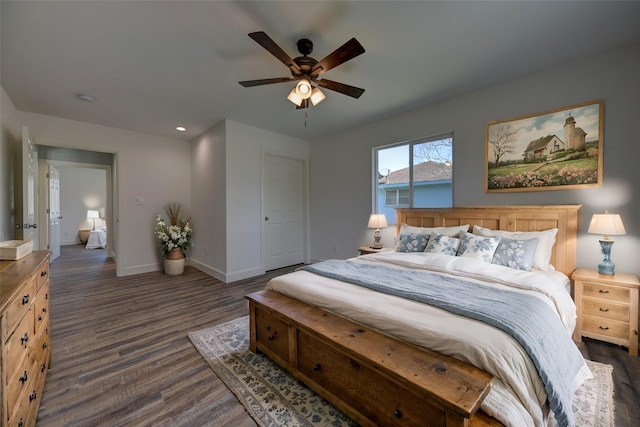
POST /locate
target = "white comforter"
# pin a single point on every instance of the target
(517, 397)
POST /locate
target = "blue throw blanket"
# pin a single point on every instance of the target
(527, 319)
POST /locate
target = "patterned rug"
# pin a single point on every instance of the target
(274, 398)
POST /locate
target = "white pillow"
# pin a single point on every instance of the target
(545, 244)
(445, 231)
(477, 247)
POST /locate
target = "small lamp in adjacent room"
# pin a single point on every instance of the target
(93, 215)
(377, 221)
(606, 224)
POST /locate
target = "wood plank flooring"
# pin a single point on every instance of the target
(121, 355)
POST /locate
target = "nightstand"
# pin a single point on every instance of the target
(369, 250)
(83, 236)
(607, 307)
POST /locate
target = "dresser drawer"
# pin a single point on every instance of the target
(19, 345)
(602, 291)
(272, 333)
(41, 308)
(22, 383)
(42, 276)
(367, 390)
(608, 310)
(602, 326)
(18, 307)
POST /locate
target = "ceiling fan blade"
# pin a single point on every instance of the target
(352, 91)
(347, 51)
(266, 42)
(250, 83)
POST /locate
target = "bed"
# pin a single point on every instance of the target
(521, 390)
(98, 236)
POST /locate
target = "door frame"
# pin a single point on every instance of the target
(43, 198)
(306, 228)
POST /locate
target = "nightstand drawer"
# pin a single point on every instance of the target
(608, 310)
(612, 293)
(610, 328)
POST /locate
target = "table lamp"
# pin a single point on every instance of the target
(377, 221)
(606, 224)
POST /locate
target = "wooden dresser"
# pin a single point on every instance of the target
(24, 326)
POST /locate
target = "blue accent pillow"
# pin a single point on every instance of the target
(482, 248)
(442, 244)
(412, 242)
(518, 254)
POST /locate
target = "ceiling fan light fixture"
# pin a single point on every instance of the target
(294, 97)
(317, 96)
(304, 88)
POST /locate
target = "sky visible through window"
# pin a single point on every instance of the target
(396, 158)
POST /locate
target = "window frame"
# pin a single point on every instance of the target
(411, 144)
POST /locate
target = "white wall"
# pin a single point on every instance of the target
(155, 169)
(9, 134)
(341, 200)
(241, 209)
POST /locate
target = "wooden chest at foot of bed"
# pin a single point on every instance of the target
(374, 379)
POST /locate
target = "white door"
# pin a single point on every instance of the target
(283, 212)
(54, 217)
(26, 230)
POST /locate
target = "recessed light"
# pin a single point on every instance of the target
(181, 128)
(86, 98)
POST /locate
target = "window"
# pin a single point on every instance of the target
(397, 198)
(413, 174)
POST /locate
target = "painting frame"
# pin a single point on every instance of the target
(549, 150)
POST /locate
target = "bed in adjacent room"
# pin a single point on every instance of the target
(98, 236)
(487, 286)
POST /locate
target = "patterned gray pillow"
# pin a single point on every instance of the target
(482, 248)
(442, 244)
(412, 242)
(518, 254)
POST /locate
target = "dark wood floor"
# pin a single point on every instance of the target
(121, 355)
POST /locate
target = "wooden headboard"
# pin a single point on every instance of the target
(510, 218)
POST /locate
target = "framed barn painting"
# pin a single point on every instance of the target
(554, 150)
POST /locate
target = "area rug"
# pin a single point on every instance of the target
(274, 398)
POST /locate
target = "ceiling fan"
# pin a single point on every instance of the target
(306, 70)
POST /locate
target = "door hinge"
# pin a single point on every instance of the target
(48, 210)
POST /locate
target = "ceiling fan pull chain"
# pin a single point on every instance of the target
(305, 118)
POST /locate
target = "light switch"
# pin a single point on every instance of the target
(138, 200)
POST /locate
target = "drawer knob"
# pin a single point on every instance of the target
(24, 339)
(20, 423)
(317, 367)
(39, 317)
(397, 413)
(44, 345)
(604, 309)
(42, 274)
(604, 328)
(23, 378)
(272, 337)
(603, 291)
(25, 299)
(43, 367)
(33, 396)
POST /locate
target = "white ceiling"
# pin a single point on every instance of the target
(153, 65)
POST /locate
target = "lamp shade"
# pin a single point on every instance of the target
(303, 88)
(606, 224)
(317, 96)
(93, 214)
(377, 221)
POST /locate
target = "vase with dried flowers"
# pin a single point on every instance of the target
(175, 238)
